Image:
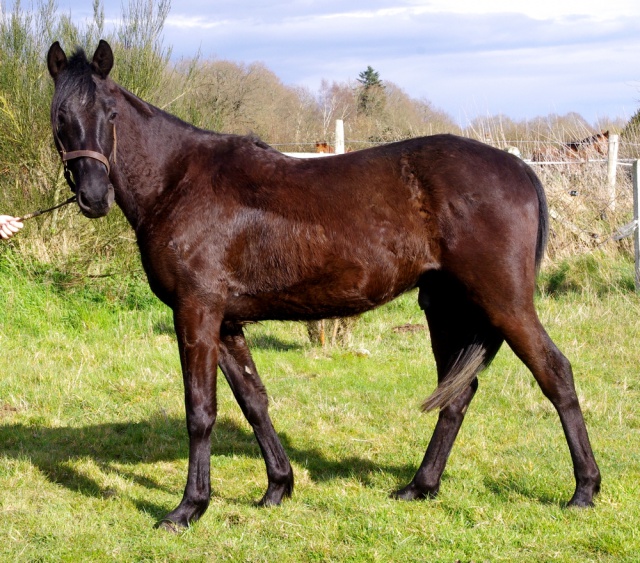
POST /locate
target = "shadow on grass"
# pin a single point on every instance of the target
(270, 342)
(508, 486)
(259, 341)
(117, 448)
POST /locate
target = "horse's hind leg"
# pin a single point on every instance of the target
(238, 367)
(553, 372)
(463, 344)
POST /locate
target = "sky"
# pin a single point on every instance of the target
(469, 58)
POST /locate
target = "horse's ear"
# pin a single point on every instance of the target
(102, 62)
(56, 60)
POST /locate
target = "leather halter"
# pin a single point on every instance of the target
(66, 156)
(72, 155)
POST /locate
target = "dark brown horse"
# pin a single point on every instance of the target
(231, 231)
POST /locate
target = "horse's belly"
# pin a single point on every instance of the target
(344, 289)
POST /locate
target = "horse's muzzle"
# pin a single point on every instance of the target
(94, 207)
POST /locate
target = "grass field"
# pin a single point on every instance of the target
(93, 447)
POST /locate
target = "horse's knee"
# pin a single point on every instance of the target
(200, 424)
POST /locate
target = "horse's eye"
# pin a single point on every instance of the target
(112, 116)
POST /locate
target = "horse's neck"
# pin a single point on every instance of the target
(146, 145)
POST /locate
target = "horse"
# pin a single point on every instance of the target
(231, 231)
(594, 145)
(324, 147)
(586, 149)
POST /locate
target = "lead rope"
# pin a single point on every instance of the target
(42, 211)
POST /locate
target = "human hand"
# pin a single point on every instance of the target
(9, 226)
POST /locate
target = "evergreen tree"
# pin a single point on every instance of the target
(370, 78)
(371, 95)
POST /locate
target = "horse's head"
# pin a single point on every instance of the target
(83, 113)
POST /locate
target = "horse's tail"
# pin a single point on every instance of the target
(477, 355)
(471, 360)
(543, 216)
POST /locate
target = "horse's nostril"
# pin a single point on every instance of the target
(82, 200)
(94, 207)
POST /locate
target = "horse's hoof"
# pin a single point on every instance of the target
(412, 492)
(276, 494)
(583, 497)
(580, 503)
(170, 526)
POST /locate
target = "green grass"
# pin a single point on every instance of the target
(93, 447)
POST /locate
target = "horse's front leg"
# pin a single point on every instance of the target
(198, 333)
(241, 373)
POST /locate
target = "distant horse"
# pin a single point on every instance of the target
(590, 148)
(597, 144)
(231, 231)
(324, 147)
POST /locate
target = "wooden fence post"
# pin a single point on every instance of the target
(612, 167)
(339, 144)
(636, 217)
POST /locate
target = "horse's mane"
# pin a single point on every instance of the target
(138, 104)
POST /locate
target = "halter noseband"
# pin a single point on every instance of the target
(67, 156)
